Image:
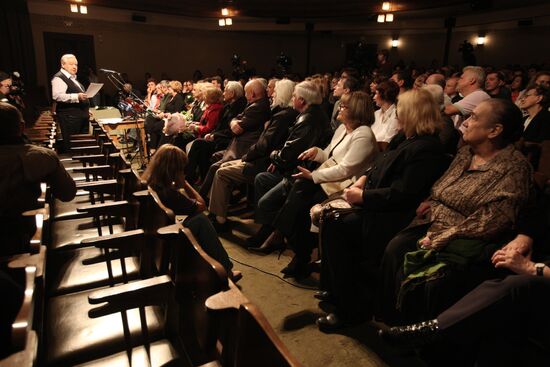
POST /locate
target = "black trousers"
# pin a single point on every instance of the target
(342, 273)
(426, 300)
(153, 127)
(293, 219)
(492, 324)
(72, 123)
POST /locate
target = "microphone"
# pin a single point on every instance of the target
(109, 71)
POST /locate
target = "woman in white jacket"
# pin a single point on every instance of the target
(348, 155)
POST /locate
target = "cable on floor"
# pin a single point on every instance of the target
(273, 275)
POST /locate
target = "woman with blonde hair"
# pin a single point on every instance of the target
(386, 198)
(165, 175)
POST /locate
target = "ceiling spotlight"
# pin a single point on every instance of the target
(74, 8)
(381, 18)
(481, 40)
(83, 9)
(225, 12)
(221, 22)
(386, 6)
(389, 17)
(228, 21)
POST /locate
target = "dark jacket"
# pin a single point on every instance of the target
(175, 104)
(399, 179)
(312, 127)
(252, 121)
(539, 128)
(222, 133)
(272, 138)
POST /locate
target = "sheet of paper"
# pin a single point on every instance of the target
(93, 88)
(115, 120)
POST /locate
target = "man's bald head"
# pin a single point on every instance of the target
(254, 90)
(437, 79)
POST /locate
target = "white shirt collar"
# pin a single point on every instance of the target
(67, 74)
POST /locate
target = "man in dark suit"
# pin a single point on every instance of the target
(72, 105)
(256, 159)
(246, 129)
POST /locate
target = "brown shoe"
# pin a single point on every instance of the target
(274, 242)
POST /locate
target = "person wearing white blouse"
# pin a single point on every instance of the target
(350, 152)
(385, 125)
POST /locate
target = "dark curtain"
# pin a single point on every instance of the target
(16, 39)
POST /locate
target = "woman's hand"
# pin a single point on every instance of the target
(304, 173)
(426, 243)
(209, 137)
(522, 244)
(423, 209)
(308, 155)
(353, 195)
(514, 261)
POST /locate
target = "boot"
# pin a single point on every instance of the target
(274, 242)
(411, 336)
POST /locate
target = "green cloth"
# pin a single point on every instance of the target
(422, 266)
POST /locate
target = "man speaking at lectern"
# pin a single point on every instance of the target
(72, 105)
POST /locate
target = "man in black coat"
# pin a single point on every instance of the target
(256, 160)
(312, 128)
(246, 129)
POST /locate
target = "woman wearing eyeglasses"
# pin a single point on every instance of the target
(535, 102)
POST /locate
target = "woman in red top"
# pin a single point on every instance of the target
(210, 116)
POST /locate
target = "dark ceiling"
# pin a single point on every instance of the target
(286, 10)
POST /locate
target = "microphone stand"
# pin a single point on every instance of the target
(118, 83)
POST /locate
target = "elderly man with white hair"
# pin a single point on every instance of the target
(245, 128)
(470, 85)
(256, 160)
(72, 105)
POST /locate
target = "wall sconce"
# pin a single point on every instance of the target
(381, 18)
(225, 12)
(395, 42)
(74, 8)
(83, 9)
(389, 17)
(481, 39)
(386, 6)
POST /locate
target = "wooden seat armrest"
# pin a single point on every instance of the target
(111, 208)
(37, 260)
(24, 358)
(96, 185)
(152, 291)
(85, 148)
(103, 170)
(231, 298)
(23, 321)
(91, 158)
(122, 240)
(171, 230)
